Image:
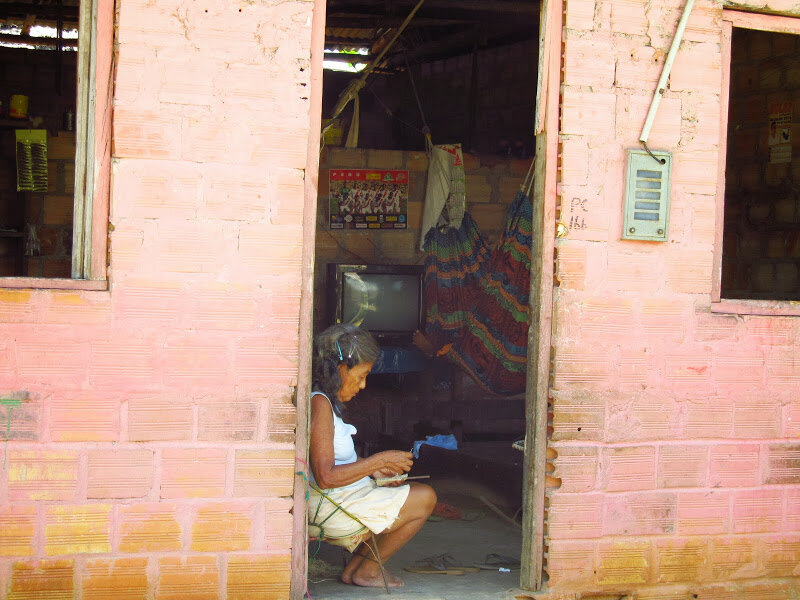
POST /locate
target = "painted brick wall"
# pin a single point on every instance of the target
(674, 430)
(147, 431)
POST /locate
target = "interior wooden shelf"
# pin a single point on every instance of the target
(7, 123)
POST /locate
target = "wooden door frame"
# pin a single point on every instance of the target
(299, 563)
(539, 339)
(541, 294)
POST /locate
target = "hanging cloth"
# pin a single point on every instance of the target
(445, 191)
(477, 300)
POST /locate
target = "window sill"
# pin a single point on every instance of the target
(53, 283)
(757, 307)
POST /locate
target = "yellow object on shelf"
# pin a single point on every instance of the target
(18, 107)
(31, 160)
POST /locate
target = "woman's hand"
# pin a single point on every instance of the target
(383, 474)
(394, 462)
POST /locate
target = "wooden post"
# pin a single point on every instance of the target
(539, 337)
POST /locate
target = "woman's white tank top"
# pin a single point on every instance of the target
(344, 450)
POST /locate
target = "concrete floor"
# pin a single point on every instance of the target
(466, 541)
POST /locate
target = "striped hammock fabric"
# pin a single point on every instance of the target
(476, 298)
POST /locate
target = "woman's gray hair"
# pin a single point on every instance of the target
(340, 344)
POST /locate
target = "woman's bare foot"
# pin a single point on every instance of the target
(421, 342)
(372, 579)
(367, 577)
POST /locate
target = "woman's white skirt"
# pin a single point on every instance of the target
(376, 508)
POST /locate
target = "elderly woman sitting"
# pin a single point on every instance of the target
(343, 357)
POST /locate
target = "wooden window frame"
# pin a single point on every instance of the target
(761, 22)
(92, 154)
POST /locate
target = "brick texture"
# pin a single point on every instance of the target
(47, 578)
(124, 578)
(258, 577)
(149, 528)
(151, 454)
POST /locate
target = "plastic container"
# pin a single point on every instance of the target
(18, 107)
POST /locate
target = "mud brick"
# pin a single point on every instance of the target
(51, 579)
(281, 421)
(703, 513)
(627, 469)
(121, 579)
(220, 527)
(682, 466)
(159, 419)
(578, 418)
(223, 419)
(575, 516)
(195, 577)
(84, 418)
(624, 563)
(77, 529)
(734, 465)
(259, 577)
(17, 527)
(263, 473)
(681, 560)
(733, 558)
(21, 416)
(120, 473)
(278, 522)
(42, 475)
(577, 468)
(193, 473)
(756, 511)
(783, 464)
(149, 528)
(640, 513)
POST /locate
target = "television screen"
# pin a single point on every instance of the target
(381, 302)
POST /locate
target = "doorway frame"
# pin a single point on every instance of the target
(537, 392)
(299, 556)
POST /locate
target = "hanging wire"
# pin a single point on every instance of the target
(392, 115)
(425, 129)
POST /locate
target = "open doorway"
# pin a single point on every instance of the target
(465, 74)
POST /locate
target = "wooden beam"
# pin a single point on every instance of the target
(37, 41)
(463, 42)
(343, 20)
(512, 7)
(20, 10)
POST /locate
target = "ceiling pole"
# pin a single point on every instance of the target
(355, 86)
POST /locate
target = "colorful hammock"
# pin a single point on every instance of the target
(477, 299)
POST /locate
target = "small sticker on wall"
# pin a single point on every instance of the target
(780, 132)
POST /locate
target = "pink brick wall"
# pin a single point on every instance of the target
(152, 447)
(675, 428)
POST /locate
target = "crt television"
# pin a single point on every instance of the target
(386, 300)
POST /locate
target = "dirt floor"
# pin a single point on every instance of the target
(466, 540)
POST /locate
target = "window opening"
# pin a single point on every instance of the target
(38, 70)
(761, 231)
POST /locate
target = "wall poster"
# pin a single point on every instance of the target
(368, 199)
(780, 132)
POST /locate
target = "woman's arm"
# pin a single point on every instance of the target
(329, 475)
